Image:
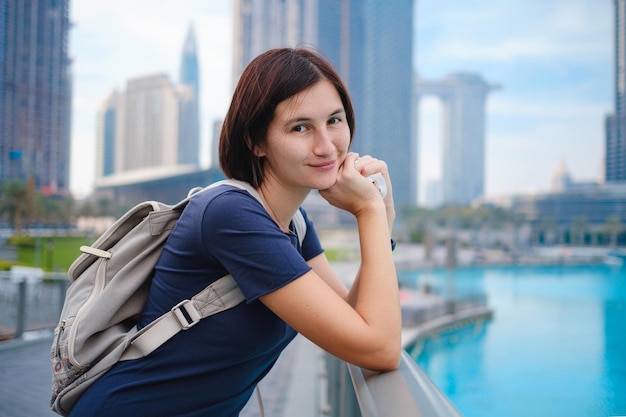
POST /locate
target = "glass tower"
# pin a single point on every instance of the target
(35, 93)
(615, 151)
(189, 111)
(381, 80)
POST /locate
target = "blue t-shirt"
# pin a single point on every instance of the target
(212, 368)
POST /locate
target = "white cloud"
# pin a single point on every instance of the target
(492, 31)
(554, 108)
(522, 48)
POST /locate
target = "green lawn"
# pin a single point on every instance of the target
(51, 253)
(57, 253)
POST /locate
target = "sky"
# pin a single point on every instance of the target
(552, 60)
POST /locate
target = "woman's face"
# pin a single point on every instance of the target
(308, 139)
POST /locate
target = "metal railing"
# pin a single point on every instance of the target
(28, 304)
(407, 391)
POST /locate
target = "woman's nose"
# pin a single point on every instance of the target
(323, 142)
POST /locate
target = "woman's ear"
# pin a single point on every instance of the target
(258, 151)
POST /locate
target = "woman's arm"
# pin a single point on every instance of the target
(366, 334)
(364, 326)
(325, 271)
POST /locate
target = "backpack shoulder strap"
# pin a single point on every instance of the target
(300, 225)
(217, 297)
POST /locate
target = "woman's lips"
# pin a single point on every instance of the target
(325, 165)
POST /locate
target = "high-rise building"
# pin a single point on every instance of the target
(260, 25)
(151, 125)
(109, 139)
(463, 166)
(370, 42)
(35, 93)
(189, 126)
(615, 125)
(139, 128)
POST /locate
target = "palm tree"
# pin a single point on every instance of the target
(549, 229)
(13, 203)
(614, 227)
(578, 230)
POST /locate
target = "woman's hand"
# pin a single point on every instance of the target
(353, 190)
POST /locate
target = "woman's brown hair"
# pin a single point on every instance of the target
(269, 79)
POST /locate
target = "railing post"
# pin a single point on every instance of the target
(62, 285)
(341, 396)
(350, 402)
(20, 323)
(451, 306)
(333, 384)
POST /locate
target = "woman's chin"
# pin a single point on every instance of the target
(325, 186)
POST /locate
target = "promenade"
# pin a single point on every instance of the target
(289, 390)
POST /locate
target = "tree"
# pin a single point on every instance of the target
(22, 206)
(13, 203)
(614, 227)
(549, 229)
(578, 230)
(105, 207)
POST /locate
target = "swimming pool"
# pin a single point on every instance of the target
(556, 345)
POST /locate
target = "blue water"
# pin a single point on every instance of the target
(556, 345)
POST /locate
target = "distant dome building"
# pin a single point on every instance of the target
(560, 180)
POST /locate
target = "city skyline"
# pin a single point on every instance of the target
(528, 130)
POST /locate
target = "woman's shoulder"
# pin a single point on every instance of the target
(223, 195)
(219, 204)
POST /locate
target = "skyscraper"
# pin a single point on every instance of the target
(377, 61)
(139, 128)
(109, 136)
(35, 93)
(615, 126)
(260, 25)
(370, 42)
(464, 98)
(189, 124)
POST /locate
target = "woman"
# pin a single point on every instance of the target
(288, 131)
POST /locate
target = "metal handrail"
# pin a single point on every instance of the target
(405, 392)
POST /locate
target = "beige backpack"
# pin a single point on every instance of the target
(110, 284)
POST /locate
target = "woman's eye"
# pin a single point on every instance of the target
(299, 128)
(334, 120)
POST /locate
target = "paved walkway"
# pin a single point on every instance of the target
(290, 389)
(25, 376)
